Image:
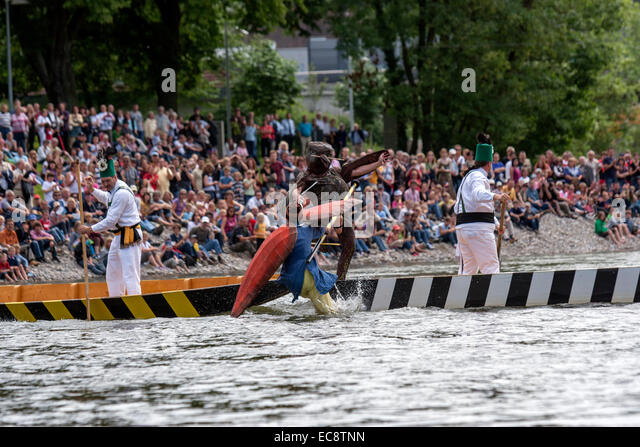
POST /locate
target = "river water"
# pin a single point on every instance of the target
(281, 365)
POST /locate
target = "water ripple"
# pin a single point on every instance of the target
(282, 365)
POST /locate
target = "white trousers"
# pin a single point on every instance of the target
(123, 269)
(477, 249)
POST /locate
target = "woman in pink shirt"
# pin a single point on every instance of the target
(241, 149)
(413, 193)
(44, 240)
(20, 127)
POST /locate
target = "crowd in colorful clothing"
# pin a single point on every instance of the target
(204, 200)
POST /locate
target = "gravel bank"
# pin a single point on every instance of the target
(557, 236)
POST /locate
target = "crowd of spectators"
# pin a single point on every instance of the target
(200, 200)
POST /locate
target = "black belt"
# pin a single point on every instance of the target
(465, 218)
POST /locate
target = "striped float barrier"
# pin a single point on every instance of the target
(609, 285)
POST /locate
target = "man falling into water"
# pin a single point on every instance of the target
(321, 178)
(302, 278)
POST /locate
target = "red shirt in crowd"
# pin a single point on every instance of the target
(267, 132)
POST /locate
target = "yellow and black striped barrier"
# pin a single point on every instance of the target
(187, 303)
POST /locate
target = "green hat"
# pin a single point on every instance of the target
(107, 169)
(484, 152)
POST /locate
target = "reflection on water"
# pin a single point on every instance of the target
(282, 365)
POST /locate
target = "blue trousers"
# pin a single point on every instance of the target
(422, 236)
(187, 248)
(35, 249)
(57, 234)
(361, 246)
(435, 209)
(379, 242)
(212, 244)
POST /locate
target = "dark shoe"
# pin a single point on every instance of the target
(55, 258)
(221, 261)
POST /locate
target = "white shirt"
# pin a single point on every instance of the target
(43, 151)
(48, 196)
(40, 123)
(476, 194)
(254, 202)
(123, 210)
(288, 127)
(507, 171)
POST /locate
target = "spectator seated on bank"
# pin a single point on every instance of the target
(240, 239)
(603, 230)
(172, 258)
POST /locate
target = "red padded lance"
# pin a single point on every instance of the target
(327, 210)
(270, 256)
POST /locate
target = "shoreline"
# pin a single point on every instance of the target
(558, 236)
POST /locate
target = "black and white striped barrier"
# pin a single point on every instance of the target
(608, 285)
(611, 285)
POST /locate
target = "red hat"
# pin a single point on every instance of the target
(37, 196)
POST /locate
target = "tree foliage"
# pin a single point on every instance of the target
(81, 47)
(367, 82)
(541, 66)
(264, 81)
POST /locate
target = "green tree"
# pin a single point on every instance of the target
(538, 65)
(47, 31)
(100, 41)
(24, 78)
(264, 81)
(368, 85)
(315, 87)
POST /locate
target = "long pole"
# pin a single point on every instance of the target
(331, 223)
(226, 52)
(350, 94)
(9, 72)
(84, 243)
(504, 205)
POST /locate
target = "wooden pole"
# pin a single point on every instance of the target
(84, 243)
(504, 205)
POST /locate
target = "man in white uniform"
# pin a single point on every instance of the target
(123, 263)
(475, 219)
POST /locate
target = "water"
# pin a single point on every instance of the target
(282, 365)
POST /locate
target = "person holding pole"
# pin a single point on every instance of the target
(475, 217)
(123, 218)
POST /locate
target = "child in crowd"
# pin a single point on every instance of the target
(202, 255)
(172, 258)
(150, 253)
(19, 270)
(6, 272)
